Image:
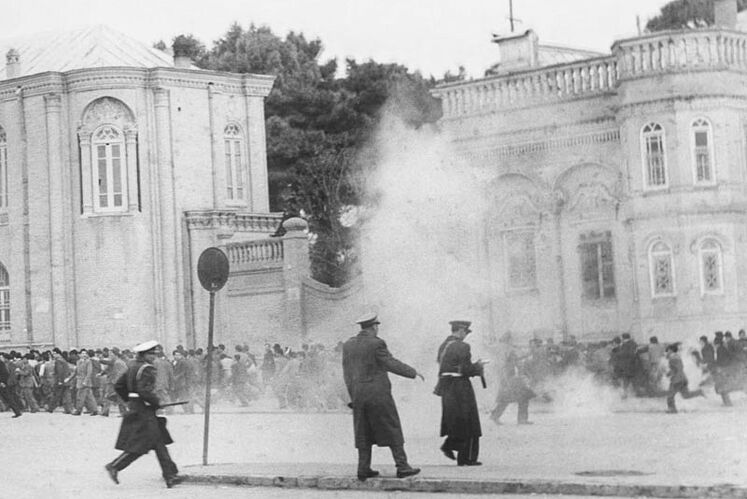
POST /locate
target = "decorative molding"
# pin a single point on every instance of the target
(236, 222)
(526, 148)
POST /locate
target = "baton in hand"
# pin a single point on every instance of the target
(170, 404)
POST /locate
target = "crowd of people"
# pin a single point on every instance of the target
(81, 381)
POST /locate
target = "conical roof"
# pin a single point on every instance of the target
(89, 47)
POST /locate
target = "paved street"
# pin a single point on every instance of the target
(62, 456)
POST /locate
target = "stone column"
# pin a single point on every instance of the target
(219, 192)
(131, 154)
(557, 212)
(296, 267)
(86, 181)
(172, 323)
(57, 231)
(23, 149)
(257, 142)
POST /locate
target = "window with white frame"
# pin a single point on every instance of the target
(711, 271)
(597, 266)
(110, 173)
(3, 170)
(520, 262)
(661, 266)
(702, 143)
(234, 146)
(4, 304)
(654, 157)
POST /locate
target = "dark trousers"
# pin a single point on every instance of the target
(681, 388)
(522, 415)
(398, 454)
(9, 399)
(61, 395)
(467, 449)
(168, 467)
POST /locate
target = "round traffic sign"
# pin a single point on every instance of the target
(212, 269)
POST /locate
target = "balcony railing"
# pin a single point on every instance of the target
(264, 253)
(671, 51)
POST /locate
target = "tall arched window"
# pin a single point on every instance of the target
(711, 270)
(108, 153)
(110, 179)
(3, 170)
(4, 304)
(520, 260)
(654, 157)
(702, 152)
(661, 268)
(234, 147)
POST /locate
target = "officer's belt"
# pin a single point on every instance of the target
(452, 375)
(133, 395)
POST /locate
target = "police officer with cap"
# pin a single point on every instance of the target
(142, 430)
(366, 360)
(460, 419)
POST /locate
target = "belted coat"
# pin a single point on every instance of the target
(366, 360)
(141, 429)
(459, 415)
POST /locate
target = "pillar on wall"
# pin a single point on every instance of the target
(296, 267)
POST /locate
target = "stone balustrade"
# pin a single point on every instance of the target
(674, 51)
(263, 253)
(671, 51)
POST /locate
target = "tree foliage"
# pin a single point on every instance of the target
(682, 14)
(317, 124)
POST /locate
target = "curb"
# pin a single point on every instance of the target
(430, 485)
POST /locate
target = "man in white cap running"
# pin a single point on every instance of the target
(141, 429)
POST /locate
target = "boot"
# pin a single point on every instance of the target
(400, 460)
(364, 464)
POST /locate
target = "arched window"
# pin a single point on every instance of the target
(110, 179)
(108, 153)
(4, 304)
(702, 152)
(711, 271)
(234, 147)
(661, 267)
(3, 170)
(654, 157)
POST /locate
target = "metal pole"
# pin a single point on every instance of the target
(511, 14)
(208, 373)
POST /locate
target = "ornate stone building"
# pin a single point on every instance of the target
(620, 183)
(118, 165)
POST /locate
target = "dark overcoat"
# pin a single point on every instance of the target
(141, 429)
(365, 363)
(513, 386)
(459, 415)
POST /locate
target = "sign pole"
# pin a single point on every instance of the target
(208, 372)
(212, 270)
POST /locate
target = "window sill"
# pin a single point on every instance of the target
(518, 292)
(599, 302)
(109, 214)
(236, 204)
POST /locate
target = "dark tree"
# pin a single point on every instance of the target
(682, 14)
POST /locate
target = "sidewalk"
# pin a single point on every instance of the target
(453, 479)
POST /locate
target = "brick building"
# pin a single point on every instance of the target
(619, 200)
(118, 165)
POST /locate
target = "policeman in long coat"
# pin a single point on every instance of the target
(365, 363)
(460, 419)
(141, 429)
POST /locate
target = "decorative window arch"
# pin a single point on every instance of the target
(108, 150)
(654, 157)
(661, 269)
(4, 304)
(3, 170)
(702, 152)
(233, 139)
(710, 257)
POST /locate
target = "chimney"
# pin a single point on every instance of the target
(725, 14)
(12, 64)
(182, 61)
(182, 50)
(516, 52)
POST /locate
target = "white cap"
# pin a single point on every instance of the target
(368, 319)
(144, 347)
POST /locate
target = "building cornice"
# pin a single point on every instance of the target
(79, 80)
(235, 221)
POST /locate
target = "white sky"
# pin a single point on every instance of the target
(428, 35)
